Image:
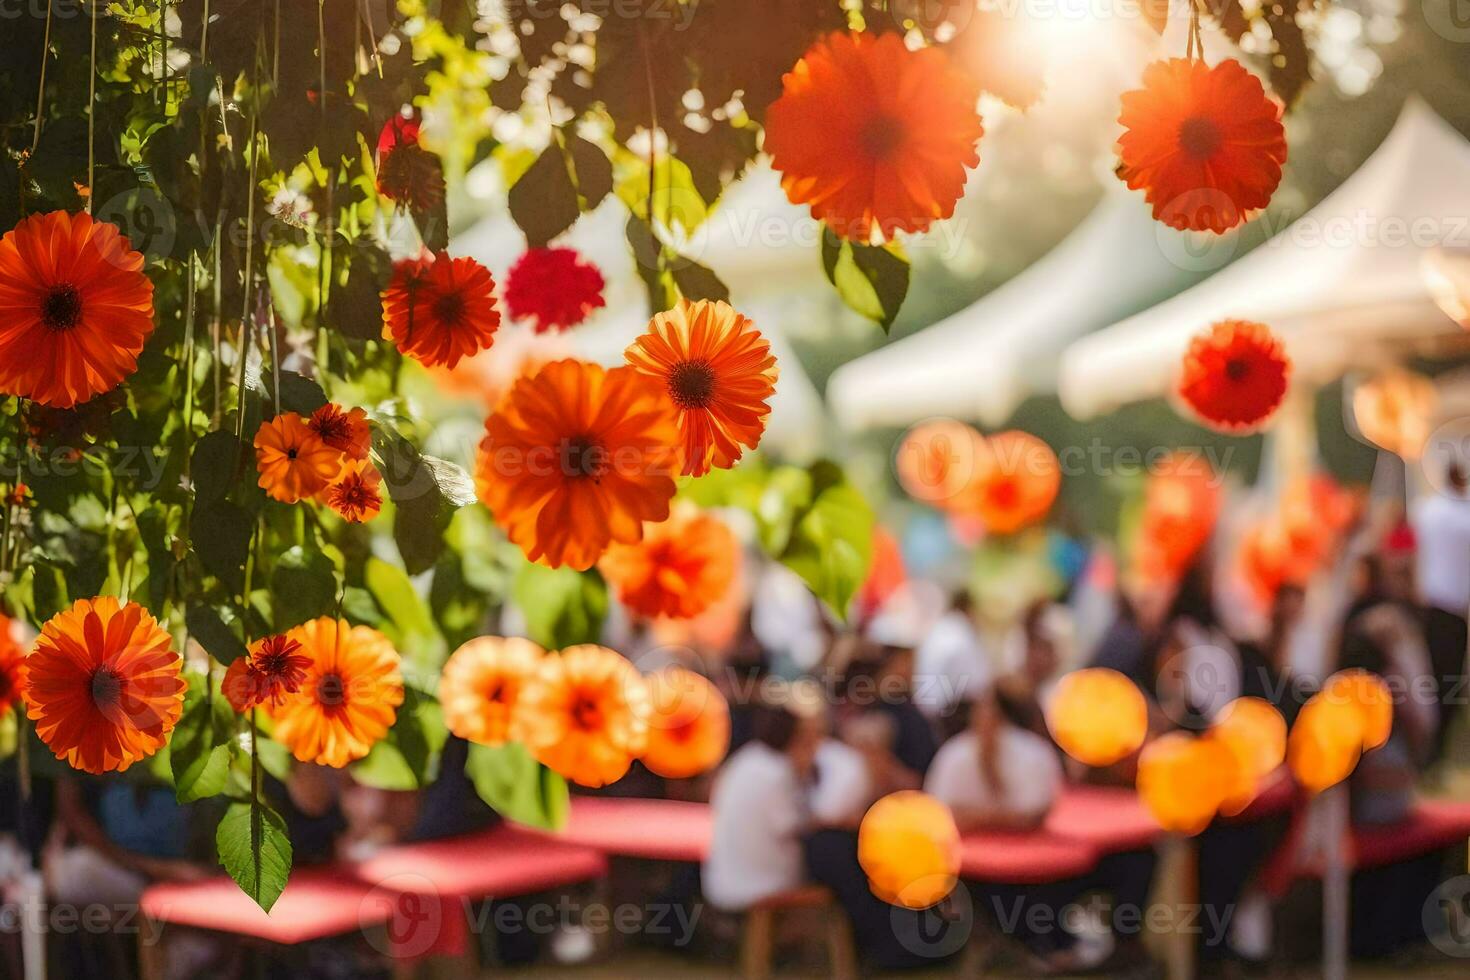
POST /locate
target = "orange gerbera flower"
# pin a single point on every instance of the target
(689, 724)
(349, 697)
(481, 684)
(874, 135)
(438, 310)
(12, 665)
(1206, 144)
(347, 432)
(1016, 479)
(719, 371)
(577, 458)
(75, 308)
(293, 461)
(1234, 375)
(273, 668)
(104, 685)
(356, 494)
(680, 568)
(937, 460)
(584, 714)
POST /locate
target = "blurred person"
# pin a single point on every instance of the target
(877, 716)
(997, 775)
(1049, 636)
(1441, 524)
(951, 663)
(760, 813)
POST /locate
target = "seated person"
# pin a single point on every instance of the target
(997, 775)
(759, 812)
(877, 716)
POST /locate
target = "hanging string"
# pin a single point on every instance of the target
(41, 89)
(1195, 44)
(91, 111)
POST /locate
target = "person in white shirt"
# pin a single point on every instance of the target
(951, 663)
(1442, 541)
(843, 788)
(760, 813)
(996, 775)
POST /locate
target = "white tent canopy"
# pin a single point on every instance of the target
(981, 362)
(1344, 285)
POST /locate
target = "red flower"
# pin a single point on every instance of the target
(1235, 375)
(555, 287)
(408, 174)
(440, 309)
(273, 668)
(1206, 144)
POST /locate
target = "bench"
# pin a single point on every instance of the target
(410, 900)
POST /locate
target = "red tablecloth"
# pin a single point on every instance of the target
(1435, 824)
(1110, 818)
(660, 830)
(439, 879)
(1024, 858)
(317, 903)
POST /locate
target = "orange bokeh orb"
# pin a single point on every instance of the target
(1097, 716)
(689, 725)
(1325, 742)
(1254, 732)
(1017, 477)
(1372, 698)
(1184, 779)
(909, 847)
(937, 460)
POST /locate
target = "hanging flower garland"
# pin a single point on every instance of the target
(1234, 376)
(554, 288)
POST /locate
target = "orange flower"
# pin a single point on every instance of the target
(871, 134)
(12, 666)
(104, 686)
(1396, 411)
(909, 847)
(584, 714)
(680, 568)
(1181, 502)
(1206, 144)
(1097, 716)
(1234, 375)
(577, 458)
(937, 460)
(356, 494)
(273, 668)
(347, 432)
(348, 699)
(481, 683)
(689, 726)
(293, 461)
(75, 308)
(1016, 479)
(438, 310)
(719, 371)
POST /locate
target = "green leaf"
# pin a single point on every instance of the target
(417, 637)
(831, 542)
(217, 631)
(426, 492)
(650, 261)
(550, 196)
(299, 394)
(221, 536)
(517, 786)
(697, 282)
(303, 587)
(218, 462)
(199, 750)
(255, 851)
(563, 607)
(871, 279)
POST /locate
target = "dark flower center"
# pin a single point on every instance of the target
(331, 690)
(583, 457)
(881, 136)
(292, 453)
(107, 685)
(1199, 137)
(62, 307)
(449, 308)
(353, 494)
(692, 384)
(586, 715)
(331, 428)
(1237, 368)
